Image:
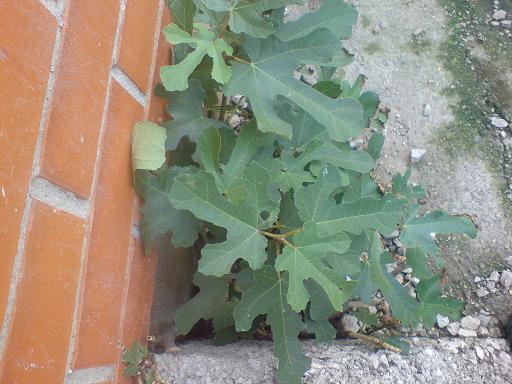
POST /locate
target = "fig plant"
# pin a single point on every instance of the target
(270, 172)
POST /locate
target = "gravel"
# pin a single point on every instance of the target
(499, 15)
(417, 154)
(453, 328)
(467, 333)
(498, 122)
(442, 321)
(506, 279)
(469, 323)
(349, 323)
(445, 360)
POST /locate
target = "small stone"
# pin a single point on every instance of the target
(427, 110)
(235, 121)
(482, 292)
(415, 281)
(499, 15)
(399, 278)
(376, 30)
(495, 276)
(407, 270)
(442, 321)
(503, 134)
(349, 323)
(453, 328)
(394, 234)
(483, 332)
(356, 143)
(495, 23)
(372, 309)
(509, 260)
(412, 292)
(470, 323)
(417, 154)
(477, 279)
(479, 352)
(498, 122)
(506, 23)
(506, 279)
(420, 31)
(466, 333)
(384, 362)
(383, 24)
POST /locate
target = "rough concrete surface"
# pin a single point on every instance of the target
(446, 361)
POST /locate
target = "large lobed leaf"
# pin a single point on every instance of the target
(270, 74)
(159, 216)
(198, 194)
(268, 297)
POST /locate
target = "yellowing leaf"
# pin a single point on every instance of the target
(148, 146)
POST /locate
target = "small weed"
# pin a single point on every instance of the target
(366, 21)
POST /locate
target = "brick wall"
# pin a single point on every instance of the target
(74, 285)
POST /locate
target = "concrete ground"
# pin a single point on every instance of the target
(444, 361)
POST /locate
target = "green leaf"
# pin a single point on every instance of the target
(175, 77)
(328, 88)
(270, 74)
(404, 307)
(214, 146)
(148, 149)
(417, 260)
(182, 12)
(364, 316)
(198, 193)
(316, 205)
(416, 230)
(158, 214)
(320, 310)
(349, 263)
(375, 145)
(401, 186)
(210, 303)
(133, 357)
(305, 260)
(335, 15)
(289, 214)
(245, 16)
(268, 296)
(189, 119)
(432, 303)
(361, 185)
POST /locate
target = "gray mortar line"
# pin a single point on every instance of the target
(85, 245)
(17, 268)
(128, 85)
(59, 198)
(94, 375)
(152, 68)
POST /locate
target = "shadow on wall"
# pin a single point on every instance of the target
(173, 288)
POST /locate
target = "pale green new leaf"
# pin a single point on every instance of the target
(404, 307)
(432, 303)
(335, 15)
(416, 231)
(198, 194)
(305, 260)
(210, 303)
(270, 74)
(148, 146)
(268, 296)
(158, 214)
(189, 119)
(175, 77)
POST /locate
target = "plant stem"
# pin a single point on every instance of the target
(278, 237)
(373, 340)
(238, 59)
(222, 113)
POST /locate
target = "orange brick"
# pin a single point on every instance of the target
(157, 105)
(138, 304)
(41, 327)
(110, 236)
(69, 152)
(27, 37)
(137, 40)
